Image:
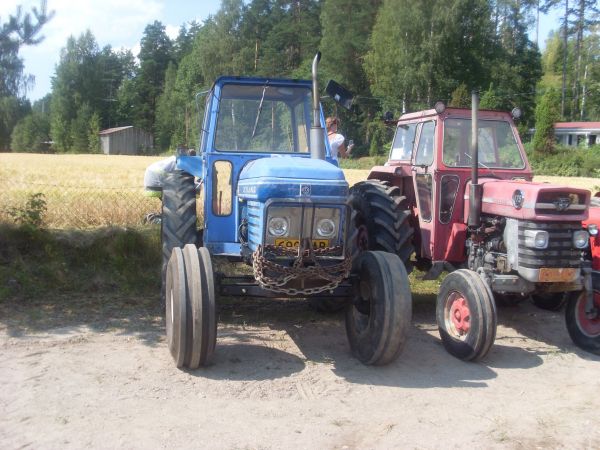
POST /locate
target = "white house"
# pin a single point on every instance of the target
(575, 133)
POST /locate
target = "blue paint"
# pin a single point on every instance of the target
(259, 176)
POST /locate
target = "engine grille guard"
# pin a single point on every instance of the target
(291, 278)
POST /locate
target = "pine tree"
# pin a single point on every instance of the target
(547, 113)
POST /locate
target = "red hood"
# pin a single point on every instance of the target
(540, 201)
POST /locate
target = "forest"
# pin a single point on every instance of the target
(394, 55)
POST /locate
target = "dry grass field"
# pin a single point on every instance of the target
(84, 191)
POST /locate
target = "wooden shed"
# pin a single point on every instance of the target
(125, 141)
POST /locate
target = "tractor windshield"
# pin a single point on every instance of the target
(263, 118)
(498, 148)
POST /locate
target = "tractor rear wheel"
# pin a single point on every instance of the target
(466, 315)
(176, 307)
(380, 220)
(550, 301)
(379, 317)
(584, 331)
(178, 224)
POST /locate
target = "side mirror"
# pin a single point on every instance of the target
(340, 94)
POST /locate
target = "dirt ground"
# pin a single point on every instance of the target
(95, 372)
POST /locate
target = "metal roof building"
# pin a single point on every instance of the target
(575, 133)
(125, 141)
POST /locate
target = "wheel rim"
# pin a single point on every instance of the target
(457, 315)
(589, 327)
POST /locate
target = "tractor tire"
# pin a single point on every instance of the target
(201, 312)
(466, 315)
(584, 331)
(380, 220)
(550, 301)
(178, 222)
(176, 310)
(379, 317)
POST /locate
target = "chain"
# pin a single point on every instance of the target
(280, 275)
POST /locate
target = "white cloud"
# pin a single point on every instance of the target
(172, 31)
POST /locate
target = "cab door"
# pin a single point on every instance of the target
(424, 183)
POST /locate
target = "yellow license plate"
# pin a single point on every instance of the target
(295, 243)
(557, 275)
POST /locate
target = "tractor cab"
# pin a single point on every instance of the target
(246, 120)
(431, 150)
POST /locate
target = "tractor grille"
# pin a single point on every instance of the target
(560, 252)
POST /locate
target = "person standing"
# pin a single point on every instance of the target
(336, 140)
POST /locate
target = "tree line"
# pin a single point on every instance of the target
(395, 55)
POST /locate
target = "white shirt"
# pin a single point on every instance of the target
(156, 173)
(335, 140)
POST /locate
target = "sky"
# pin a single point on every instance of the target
(121, 24)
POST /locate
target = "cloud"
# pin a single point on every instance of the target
(172, 31)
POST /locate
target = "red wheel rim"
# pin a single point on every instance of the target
(589, 327)
(458, 315)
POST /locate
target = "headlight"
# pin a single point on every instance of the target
(278, 226)
(536, 239)
(326, 228)
(593, 229)
(580, 239)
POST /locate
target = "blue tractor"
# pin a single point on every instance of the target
(273, 199)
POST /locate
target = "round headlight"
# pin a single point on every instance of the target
(326, 228)
(580, 239)
(278, 226)
(439, 107)
(536, 239)
(541, 239)
(593, 229)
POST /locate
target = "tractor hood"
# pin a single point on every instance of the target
(290, 177)
(532, 201)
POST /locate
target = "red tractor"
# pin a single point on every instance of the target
(464, 202)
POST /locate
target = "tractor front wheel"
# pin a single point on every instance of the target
(584, 330)
(190, 310)
(379, 317)
(466, 315)
(176, 307)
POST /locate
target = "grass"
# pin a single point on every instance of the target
(90, 191)
(36, 262)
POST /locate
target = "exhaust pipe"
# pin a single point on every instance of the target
(317, 133)
(476, 190)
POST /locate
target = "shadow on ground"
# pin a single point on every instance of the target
(245, 346)
(136, 316)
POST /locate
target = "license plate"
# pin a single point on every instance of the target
(557, 275)
(295, 243)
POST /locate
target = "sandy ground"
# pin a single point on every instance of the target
(95, 372)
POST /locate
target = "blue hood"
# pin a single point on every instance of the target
(291, 167)
(291, 177)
